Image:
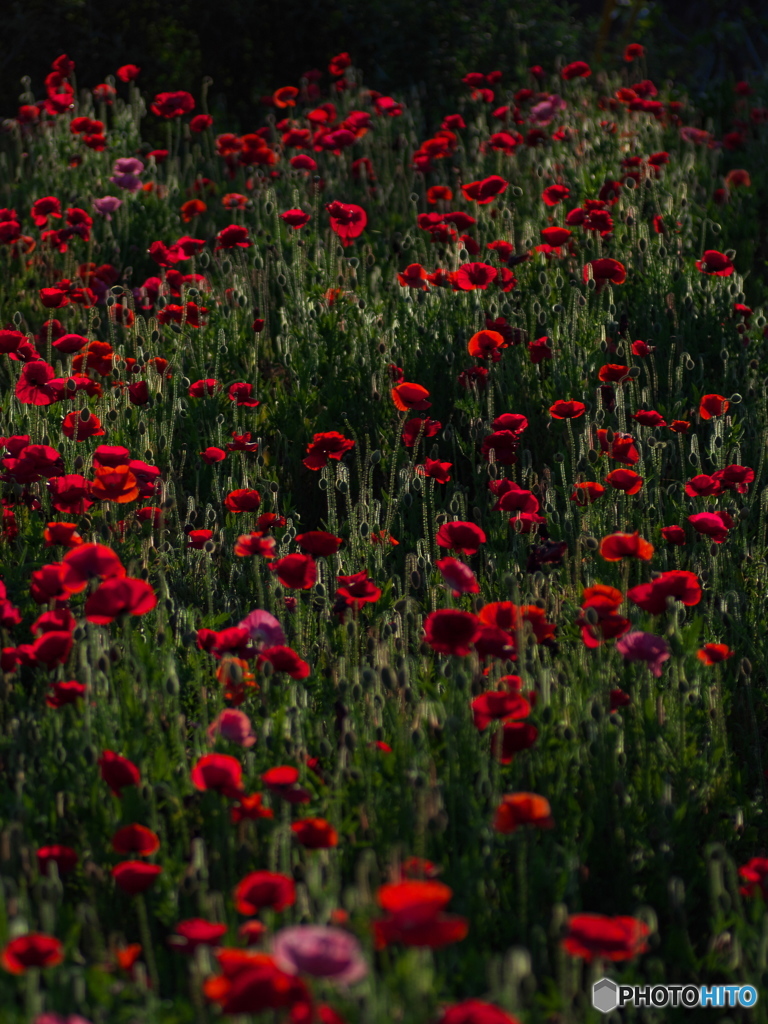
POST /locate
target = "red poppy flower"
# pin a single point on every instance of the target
(649, 418)
(436, 470)
(67, 692)
(625, 480)
(115, 597)
(713, 654)
(475, 1011)
(283, 782)
(172, 104)
(450, 631)
(609, 938)
(357, 590)
(554, 194)
(633, 51)
(347, 221)
(241, 394)
(118, 772)
(485, 191)
(86, 562)
(555, 236)
(315, 833)
(330, 445)
(194, 932)
(233, 237)
(31, 950)
(713, 405)
(652, 597)
(410, 396)
(255, 544)
(458, 576)
(518, 809)
(118, 484)
(34, 387)
(570, 410)
(64, 857)
(319, 543)
(703, 486)
(472, 276)
(616, 546)
(712, 524)
(285, 659)
(680, 426)
(219, 772)
(249, 808)
(513, 498)
(197, 539)
(587, 492)
(604, 270)
(715, 264)
(486, 345)
(135, 839)
(460, 536)
(244, 499)
(262, 889)
(135, 876)
(296, 572)
(414, 915)
(622, 447)
(296, 218)
(498, 705)
(755, 874)
(414, 276)
(578, 69)
(539, 350)
(673, 535)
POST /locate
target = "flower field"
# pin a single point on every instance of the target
(383, 551)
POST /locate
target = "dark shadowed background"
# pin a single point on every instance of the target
(250, 47)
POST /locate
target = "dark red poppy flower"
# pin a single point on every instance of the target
(233, 237)
(296, 218)
(79, 426)
(518, 809)
(67, 692)
(285, 659)
(512, 497)
(673, 535)
(450, 631)
(315, 833)
(563, 410)
(135, 876)
(712, 524)
(715, 263)
(504, 444)
(436, 470)
(414, 915)
(555, 236)
(554, 194)
(31, 950)
(625, 480)
(86, 562)
(296, 572)
(485, 191)
(244, 499)
(680, 584)
(282, 780)
(410, 396)
(587, 492)
(703, 486)
(115, 597)
(252, 983)
(135, 839)
(118, 772)
(347, 221)
(319, 543)
(578, 69)
(475, 1011)
(330, 445)
(414, 276)
(64, 857)
(633, 51)
(194, 932)
(622, 447)
(498, 705)
(616, 546)
(713, 654)
(262, 889)
(609, 938)
(172, 104)
(458, 576)
(219, 772)
(460, 536)
(356, 590)
(539, 350)
(713, 406)
(603, 271)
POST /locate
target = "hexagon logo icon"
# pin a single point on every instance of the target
(605, 995)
